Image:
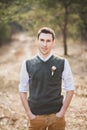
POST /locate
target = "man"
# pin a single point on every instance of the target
(44, 73)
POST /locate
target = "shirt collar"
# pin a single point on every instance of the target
(47, 58)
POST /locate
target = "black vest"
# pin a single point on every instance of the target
(44, 88)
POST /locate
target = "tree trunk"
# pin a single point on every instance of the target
(65, 30)
(65, 42)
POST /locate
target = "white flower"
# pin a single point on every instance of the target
(53, 69)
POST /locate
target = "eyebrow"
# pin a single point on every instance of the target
(48, 40)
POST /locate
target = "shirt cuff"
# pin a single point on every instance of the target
(69, 88)
(23, 89)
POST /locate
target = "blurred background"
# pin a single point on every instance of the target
(19, 22)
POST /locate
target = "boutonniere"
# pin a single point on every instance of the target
(53, 70)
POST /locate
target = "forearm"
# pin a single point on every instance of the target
(23, 96)
(66, 103)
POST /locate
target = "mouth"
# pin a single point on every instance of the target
(44, 48)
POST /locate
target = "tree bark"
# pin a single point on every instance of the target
(65, 29)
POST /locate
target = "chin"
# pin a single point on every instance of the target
(45, 54)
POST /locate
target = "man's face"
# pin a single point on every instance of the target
(45, 43)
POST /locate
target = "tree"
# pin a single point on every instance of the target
(48, 4)
(66, 5)
(82, 11)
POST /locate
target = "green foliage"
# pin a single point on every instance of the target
(83, 16)
(5, 33)
(33, 14)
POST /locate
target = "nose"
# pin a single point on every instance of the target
(44, 43)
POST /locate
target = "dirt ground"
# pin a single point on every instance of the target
(12, 114)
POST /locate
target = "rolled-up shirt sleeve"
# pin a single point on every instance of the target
(24, 79)
(67, 77)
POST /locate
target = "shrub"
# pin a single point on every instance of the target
(5, 33)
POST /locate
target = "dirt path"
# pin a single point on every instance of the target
(12, 114)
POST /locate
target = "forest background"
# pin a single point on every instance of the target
(19, 23)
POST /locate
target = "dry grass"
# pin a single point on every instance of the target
(12, 114)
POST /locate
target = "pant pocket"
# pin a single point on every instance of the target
(39, 120)
(57, 123)
(61, 121)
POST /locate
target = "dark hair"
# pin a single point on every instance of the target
(46, 30)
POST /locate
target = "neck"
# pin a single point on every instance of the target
(44, 56)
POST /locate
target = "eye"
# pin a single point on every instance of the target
(42, 40)
(48, 40)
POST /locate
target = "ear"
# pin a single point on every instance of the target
(54, 42)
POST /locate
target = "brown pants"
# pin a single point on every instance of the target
(47, 122)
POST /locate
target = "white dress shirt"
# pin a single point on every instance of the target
(67, 77)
